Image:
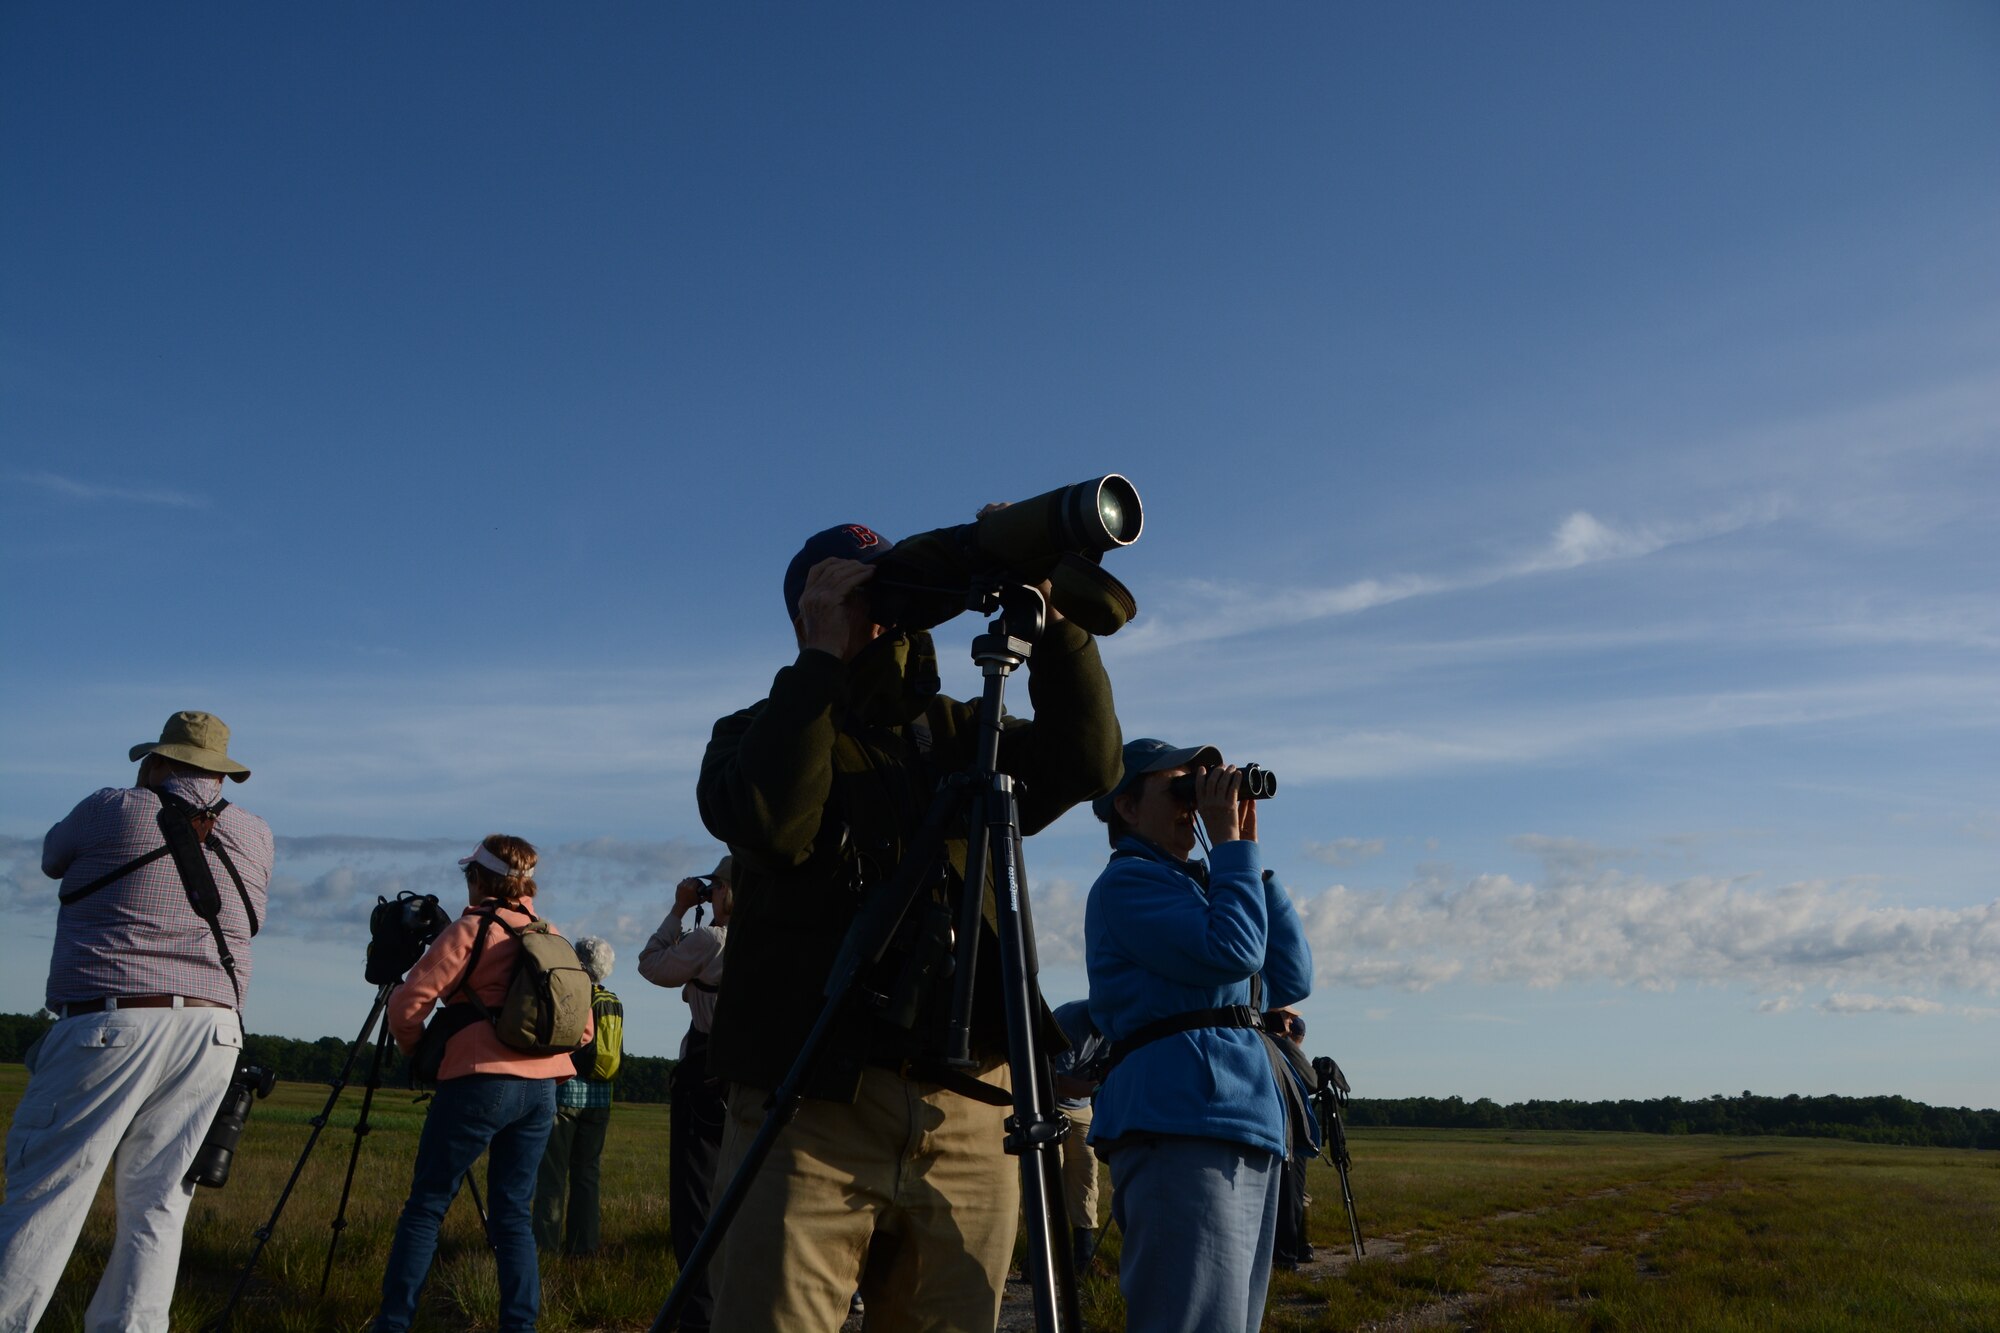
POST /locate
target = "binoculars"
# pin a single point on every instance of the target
(1252, 784)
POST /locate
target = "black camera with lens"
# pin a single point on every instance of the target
(218, 1148)
(1252, 784)
(399, 930)
(1060, 536)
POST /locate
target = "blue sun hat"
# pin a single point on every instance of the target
(1147, 755)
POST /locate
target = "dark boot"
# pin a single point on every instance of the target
(1085, 1241)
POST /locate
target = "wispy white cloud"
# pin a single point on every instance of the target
(1845, 1002)
(72, 489)
(1566, 857)
(1213, 609)
(1561, 729)
(1345, 851)
(1778, 1004)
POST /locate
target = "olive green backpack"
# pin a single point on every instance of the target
(547, 1007)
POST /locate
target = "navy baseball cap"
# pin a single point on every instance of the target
(849, 541)
(1147, 755)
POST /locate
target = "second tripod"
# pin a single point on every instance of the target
(377, 1024)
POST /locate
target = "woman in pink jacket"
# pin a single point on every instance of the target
(490, 1097)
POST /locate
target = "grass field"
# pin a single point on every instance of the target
(1510, 1231)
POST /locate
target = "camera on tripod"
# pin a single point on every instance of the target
(399, 930)
(1252, 784)
(218, 1149)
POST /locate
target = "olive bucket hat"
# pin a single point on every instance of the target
(200, 739)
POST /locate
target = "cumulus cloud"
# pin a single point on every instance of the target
(325, 886)
(1844, 1002)
(1345, 851)
(353, 845)
(1778, 1004)
(22, 884)
(1058, 905)
(1597, 925)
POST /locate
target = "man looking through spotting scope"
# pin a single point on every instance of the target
(163, 884)
(692, 960)
(892, 1176)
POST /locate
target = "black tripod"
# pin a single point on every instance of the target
(981, 801)
(377, 1013)
(1331, 1096)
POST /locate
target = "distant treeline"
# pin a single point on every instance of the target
(1864, 1119)
(643, 1078)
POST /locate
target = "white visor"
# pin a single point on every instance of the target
(484, 856)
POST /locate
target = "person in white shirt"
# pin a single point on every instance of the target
(692, 960)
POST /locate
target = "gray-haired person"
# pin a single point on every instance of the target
(567, 1192)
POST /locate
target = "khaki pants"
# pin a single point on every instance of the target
(1079, 1170)
(907, 1195)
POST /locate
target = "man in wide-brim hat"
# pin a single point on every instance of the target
(163, 884)
(199, 740)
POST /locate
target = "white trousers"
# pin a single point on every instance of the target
(135, 1087)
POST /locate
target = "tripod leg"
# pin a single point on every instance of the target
(1353, 1222)
(1037, 1127)
(319, 1121)
(354, 1156)
(479, 1207)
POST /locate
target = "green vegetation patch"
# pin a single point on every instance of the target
(1509, 1230)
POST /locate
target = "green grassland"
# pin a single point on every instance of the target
(1509, 1231)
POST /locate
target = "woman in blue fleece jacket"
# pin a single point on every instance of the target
(1193, 1123)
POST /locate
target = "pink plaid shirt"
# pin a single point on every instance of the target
(139, 935)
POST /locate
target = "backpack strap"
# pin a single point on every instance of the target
(491, 917)
(1227, 1016)
(488, 917)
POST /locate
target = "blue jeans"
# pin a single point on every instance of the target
(1199, 1216)
(509, 1118)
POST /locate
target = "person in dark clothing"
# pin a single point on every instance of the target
(1291, 1246)
(818, 790)
(691, 958)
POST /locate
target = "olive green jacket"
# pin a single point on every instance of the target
(816, 809)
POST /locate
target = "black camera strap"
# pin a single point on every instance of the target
(188, 831)
(185, 843)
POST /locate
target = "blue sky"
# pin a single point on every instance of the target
(1569, 434)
